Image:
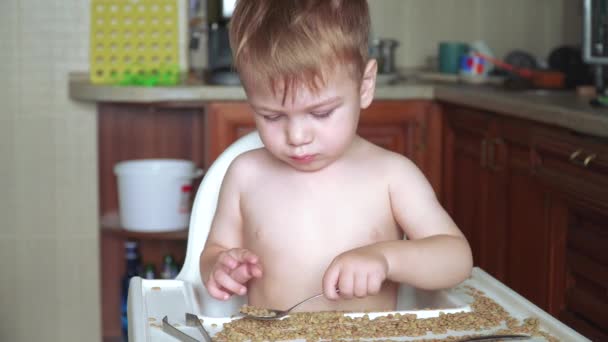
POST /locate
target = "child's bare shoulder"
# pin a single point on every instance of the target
(389, 161)
(247, 164)
(401, 173)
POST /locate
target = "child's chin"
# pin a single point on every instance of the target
(313, 166)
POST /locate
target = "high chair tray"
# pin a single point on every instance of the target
(175, 298)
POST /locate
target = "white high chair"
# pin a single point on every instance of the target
(156, 298)
(150, 300)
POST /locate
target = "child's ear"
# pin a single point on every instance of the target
(368, 83)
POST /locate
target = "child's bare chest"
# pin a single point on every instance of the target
(317, 220)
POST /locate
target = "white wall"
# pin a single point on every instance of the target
(536, 26)
(49, 255)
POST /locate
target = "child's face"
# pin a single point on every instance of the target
(310, 130)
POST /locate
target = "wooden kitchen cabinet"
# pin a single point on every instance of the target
(575, 169)
(136, 131)
(535, 215)
(411, 128)
(472, 186)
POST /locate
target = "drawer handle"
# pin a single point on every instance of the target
(575, 154)
(589, 159)
(483, 161)
(585, 162)
(492, 155)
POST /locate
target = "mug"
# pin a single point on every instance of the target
(472, 65)
(449, 56)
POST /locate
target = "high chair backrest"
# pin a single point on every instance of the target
(203, 209)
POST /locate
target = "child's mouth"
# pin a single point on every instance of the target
(305, 159)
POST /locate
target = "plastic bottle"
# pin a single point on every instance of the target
(133, 263)
(169, 270)
(149, 271)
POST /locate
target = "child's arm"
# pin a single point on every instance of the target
(436, 254)
(226, 267)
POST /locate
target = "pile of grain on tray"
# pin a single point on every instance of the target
(257, 312)
(314, 326)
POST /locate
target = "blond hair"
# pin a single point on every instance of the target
(289, 42)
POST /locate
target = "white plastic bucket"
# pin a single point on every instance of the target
(154, 194)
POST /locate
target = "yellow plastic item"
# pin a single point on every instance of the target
(134, 42)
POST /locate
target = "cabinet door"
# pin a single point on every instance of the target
(225, 122)
(523, 215)
(468, 186)
(575, 170)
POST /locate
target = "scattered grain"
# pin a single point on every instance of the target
(486, 314)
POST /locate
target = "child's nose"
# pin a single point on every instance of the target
(298, 132)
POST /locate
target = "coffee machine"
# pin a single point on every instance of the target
(219, 60)
(595, 44)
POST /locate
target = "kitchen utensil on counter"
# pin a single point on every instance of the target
(546, 79)
(450, 54)
(383, 50)
(521, 59)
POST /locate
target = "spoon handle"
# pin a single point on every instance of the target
(304, 301)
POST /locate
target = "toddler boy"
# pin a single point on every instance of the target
(320, 209)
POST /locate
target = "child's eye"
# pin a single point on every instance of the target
(322, 115)
(272, 117)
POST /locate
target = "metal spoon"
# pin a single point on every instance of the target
(278, 314)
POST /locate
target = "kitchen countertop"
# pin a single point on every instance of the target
(560, 108)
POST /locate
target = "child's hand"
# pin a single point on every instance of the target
(356, 273)
(233, 269)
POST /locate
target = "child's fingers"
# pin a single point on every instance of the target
(224, 280)
(226, 259)
(215, 292)
(330, 282)
(345, 284)
(360, 285)
(244, 255)
(374, 283)
(241, 274)
(255, 270)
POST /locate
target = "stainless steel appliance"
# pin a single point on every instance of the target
(595, 43)
(220, 67)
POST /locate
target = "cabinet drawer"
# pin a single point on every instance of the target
(571, 164)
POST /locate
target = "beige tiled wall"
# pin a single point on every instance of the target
(536, 26)
(49, 255)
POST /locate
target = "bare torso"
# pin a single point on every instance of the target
(298, 222)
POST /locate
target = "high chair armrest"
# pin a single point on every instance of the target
(135, 310)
